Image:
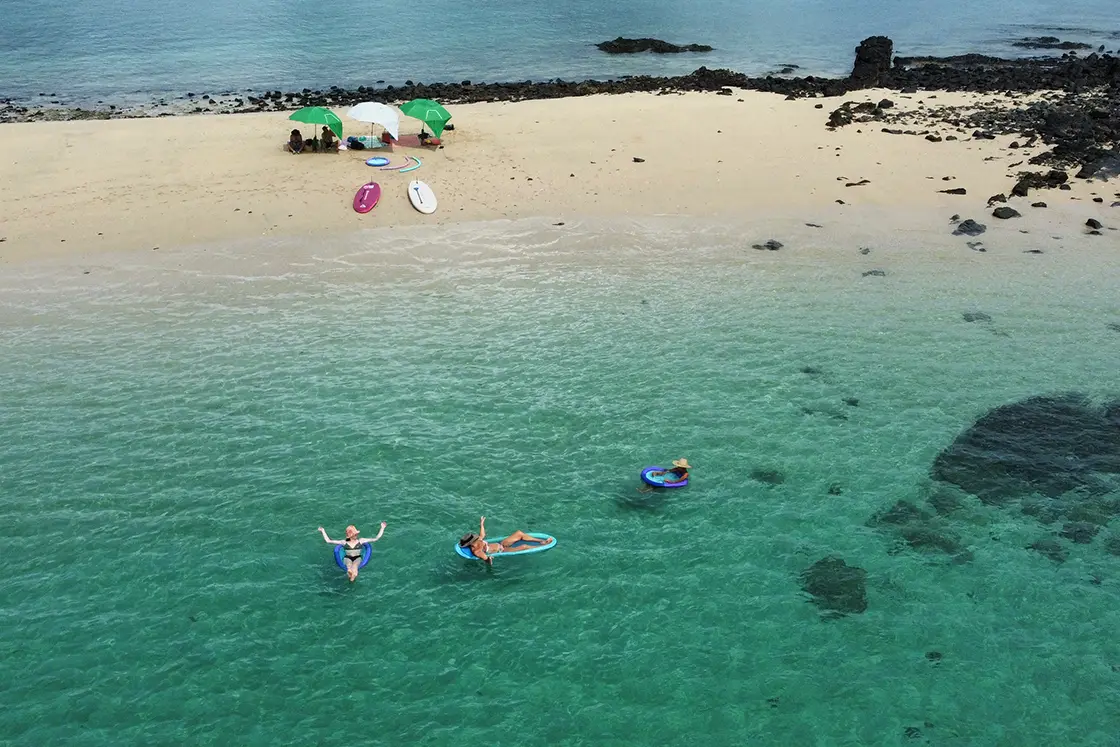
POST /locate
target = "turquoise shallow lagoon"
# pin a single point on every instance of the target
(122, 51)
(176, 427)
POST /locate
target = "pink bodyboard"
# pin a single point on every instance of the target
(366, 197)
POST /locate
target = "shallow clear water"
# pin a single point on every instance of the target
(112, 49)
(177, 427)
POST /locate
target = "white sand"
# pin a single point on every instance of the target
(77, 187)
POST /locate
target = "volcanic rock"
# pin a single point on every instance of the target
(873, 61)
(622, 45)
(1048, 42)
(969, 227)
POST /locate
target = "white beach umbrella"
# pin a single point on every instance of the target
(374, 113)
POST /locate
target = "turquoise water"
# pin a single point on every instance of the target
(123, 50)
(178, 426)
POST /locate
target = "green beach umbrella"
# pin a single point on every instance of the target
(319, 115)
(429, 112)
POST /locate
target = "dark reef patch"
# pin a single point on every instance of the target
(1050, 445)
(836, 587)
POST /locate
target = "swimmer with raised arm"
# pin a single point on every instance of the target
(352, 548)
(484, 550)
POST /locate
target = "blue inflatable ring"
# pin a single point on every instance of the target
(659, 481)
(367, 550)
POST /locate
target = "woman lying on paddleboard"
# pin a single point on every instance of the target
(482, 549)
(352, 548)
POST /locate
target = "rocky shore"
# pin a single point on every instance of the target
(1079, 115)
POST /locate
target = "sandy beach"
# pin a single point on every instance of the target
(137, 184)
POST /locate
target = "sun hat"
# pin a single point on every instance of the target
(467, 539)
(682, 463)
(352, 531)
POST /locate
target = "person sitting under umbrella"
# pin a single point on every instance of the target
(295, 142)
(426, 139)
(327, 141)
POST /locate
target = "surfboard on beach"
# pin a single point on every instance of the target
(366, 197)
(422, 196)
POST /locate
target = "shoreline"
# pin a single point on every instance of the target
(1079, 116)
(80, 188)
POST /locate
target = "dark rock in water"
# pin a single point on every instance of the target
(1046, 444)
(768, 476)
(927, 538)
(873, 61)
(875, 273)
(1048, 42)
(912, 732)
(954, 191)
(902, 512)
(1081, 532)
(1098, 511)
(851, 402)
(1038, 204)
(969, 227)
(934, 656)
(945, 502)
(1093, 223)
(976, 316)
(835, 489)
(812, 370)
(1051, 548)
(836, 586)
(771, 245)
(1045, 511)
(1114, 326)
(1005, 212)
(622, 45)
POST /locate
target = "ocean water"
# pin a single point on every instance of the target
(131, 50)
(177, 425)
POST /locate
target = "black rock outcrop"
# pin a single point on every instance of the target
(622, 45)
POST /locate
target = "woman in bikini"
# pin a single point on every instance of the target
(480, 548)
(352, 548)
